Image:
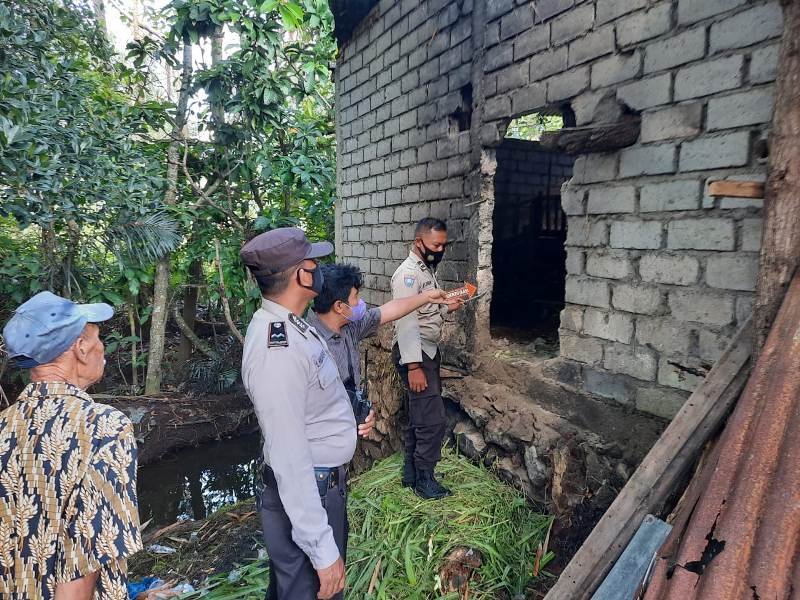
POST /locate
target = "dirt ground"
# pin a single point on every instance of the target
(172, 421)
(229, 537)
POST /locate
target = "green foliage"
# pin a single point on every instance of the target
(217, 374)
(21, 272)
(531, 127)
(75, 162)
(275, 148)
(411, 537)
(83, 149)
(406, 539)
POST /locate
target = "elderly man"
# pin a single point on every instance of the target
(68, 512)
(305, 417)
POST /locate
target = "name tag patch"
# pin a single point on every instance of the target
(301, 325)
(277, 335)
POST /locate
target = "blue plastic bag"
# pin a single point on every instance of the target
(148, 583)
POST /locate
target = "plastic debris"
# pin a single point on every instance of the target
(137, 587)
(234, 576)
(158, 589)
(159, 549)
(181, 588)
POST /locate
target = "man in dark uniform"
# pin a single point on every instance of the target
(306, 420)
(417, 359)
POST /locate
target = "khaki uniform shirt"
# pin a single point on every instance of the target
(305, 418)
(420, 330)
(67, 493)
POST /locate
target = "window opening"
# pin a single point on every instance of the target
(530, 229)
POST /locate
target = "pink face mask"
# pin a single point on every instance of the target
(359, 310)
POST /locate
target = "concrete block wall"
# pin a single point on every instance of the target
(524, 171)
(660, 275)
(403, 93)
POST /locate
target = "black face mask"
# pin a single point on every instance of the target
(431, 258)
(317, 279)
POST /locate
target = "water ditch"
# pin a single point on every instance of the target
(192, 483)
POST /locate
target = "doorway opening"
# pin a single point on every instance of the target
(529, 232)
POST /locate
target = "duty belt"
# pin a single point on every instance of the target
(326, 477)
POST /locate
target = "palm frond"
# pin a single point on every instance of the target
(217, 374)
(142, 238)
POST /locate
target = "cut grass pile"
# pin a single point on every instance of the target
(411, 537)
(399, 542)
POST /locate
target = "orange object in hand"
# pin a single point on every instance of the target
(466, 291)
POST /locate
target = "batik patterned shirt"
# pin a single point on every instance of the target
(68, 503)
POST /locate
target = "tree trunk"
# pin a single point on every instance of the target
(49, 251)
(217, 108)
(73, 232)
(190, 308)
(100, 14)
(134, 354)
(201, 346)
(780, 247)
(158, 319)
(223, 295)
(135, 21)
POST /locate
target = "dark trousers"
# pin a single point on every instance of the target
(425, 418)
(291, 575)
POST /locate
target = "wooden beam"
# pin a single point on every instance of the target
(605, 137)
(736, 189)
(780, 246)
(656, 478)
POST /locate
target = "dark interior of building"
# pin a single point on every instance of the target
(530, 228)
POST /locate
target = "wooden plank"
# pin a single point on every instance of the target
(736, 189)
(604, 137)
(655, 479)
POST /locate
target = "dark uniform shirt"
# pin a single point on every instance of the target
(67, 493)
(305, 417)
(344, 345)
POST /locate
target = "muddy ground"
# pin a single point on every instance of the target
(173, 421)
(206, 547)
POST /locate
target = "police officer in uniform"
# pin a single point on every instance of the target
(306, 420)
(417, 359)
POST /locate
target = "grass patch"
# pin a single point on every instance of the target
(411, 537)
(398, 542)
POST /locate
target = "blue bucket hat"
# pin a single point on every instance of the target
(44, 327)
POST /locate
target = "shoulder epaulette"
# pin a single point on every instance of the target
(276, 336)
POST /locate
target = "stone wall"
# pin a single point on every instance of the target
(660, 274)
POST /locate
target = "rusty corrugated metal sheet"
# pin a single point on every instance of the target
(737, 534)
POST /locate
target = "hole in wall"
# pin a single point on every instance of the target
(461, 118)
(529, 232)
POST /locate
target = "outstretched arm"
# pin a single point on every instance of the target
(400, 307)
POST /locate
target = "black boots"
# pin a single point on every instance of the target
(409, 473)
(427, 487)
